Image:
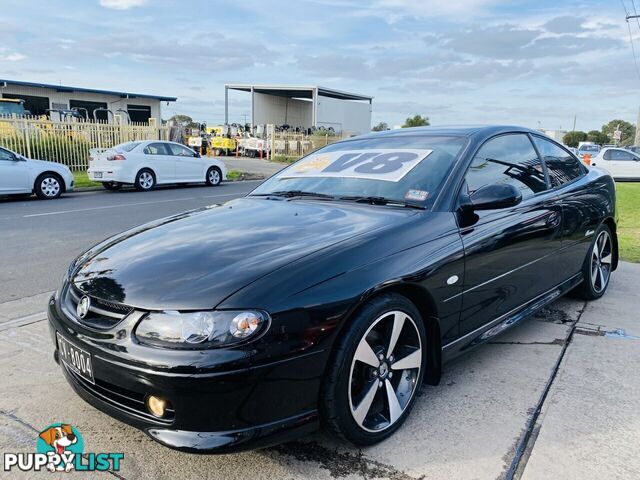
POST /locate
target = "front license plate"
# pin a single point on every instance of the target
(75, 358)
(97, 174)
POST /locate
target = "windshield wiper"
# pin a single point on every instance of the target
(294, 193)
(382, 201)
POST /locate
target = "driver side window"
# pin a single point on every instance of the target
(507, 159)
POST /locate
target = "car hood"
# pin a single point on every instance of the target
(197, 259)
(42, 165)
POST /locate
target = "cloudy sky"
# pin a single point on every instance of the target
(533, 63)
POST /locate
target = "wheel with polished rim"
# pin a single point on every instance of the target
(48, 186)
(598, 265)
(377, 371)
(145, 180)
(214, 176)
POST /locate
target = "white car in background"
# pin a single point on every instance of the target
(621, 164)
(148, 163)
(23, 176)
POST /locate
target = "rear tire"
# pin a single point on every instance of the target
(214, 177)
(48, 186)
(597, 266)
(375, 371)
(112, 186)
(145, 180)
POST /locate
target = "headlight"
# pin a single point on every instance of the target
(200, 329)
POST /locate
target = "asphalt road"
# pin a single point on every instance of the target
(38, 239)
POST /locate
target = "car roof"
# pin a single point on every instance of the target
(452, 130)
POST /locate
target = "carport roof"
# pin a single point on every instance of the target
(63, 88)
(298, 91)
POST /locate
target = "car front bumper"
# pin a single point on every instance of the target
(235, 409)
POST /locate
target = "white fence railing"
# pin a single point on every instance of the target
(69, 142)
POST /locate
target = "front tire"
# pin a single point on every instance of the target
(48, 186)
(145, 180)
(375, 372)
(597, 266)
(214, 176)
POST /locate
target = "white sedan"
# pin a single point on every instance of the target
(622, 164)
(24, 176)
(148, 163)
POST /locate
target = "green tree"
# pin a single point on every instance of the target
(628, 131)
(598, 137)
(574, 137)
(380, 127)
(416, 121)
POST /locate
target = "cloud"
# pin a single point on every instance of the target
(565, 24)
(13, 57)
(514, 42)
(123, 4)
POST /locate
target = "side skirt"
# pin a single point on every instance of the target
(506, 321)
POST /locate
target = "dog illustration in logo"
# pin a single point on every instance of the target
(59, 438)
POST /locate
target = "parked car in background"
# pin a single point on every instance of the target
(634, 148)
(588, 149)
(332, 291)
(148, 163)
(23, 176)
(573, 150)
(622, 164)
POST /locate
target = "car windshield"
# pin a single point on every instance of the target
(127, 147)
(401, 168)
(11, 108)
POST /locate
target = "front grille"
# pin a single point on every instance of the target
(102, 314)
(123, 399)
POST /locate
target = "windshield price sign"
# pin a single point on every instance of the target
(390, 165)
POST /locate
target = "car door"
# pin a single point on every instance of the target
(14, 175)
(620, 163)
(580, 219)
(509, 252)
(189, 165)
(159, 157)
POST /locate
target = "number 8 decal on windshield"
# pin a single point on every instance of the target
(385, 164)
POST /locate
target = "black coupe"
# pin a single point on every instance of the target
(331, 292)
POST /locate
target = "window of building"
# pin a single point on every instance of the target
(139, 113)
(90, 107)
(36, 105)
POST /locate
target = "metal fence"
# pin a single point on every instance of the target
(69, 142)
(295, 145)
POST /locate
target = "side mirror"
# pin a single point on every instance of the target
(494, 196)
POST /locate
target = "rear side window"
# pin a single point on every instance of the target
(561, 165)
(619, 155)
(156, 149)
(507, 159)
(180, 151)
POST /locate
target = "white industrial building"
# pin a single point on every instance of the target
(41, 97)
(306, 107)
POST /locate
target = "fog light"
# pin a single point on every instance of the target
(156, 406)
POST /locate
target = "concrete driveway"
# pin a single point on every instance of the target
(556, 397)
